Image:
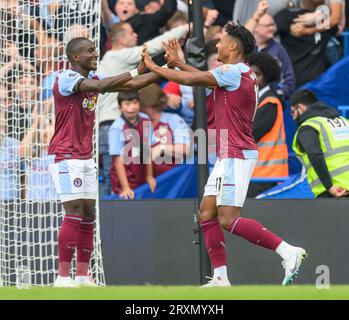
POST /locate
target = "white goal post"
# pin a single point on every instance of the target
(33, 35)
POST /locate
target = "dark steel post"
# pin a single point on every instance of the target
(198, 59)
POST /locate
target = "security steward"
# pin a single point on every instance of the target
(322, 144)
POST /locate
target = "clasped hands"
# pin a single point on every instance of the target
(174, 55)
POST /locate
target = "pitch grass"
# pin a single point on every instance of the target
(148, 292)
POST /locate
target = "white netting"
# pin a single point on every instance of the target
(33, 34)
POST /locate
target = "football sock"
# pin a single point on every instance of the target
(284, 250)
(220, 272)
(254, 232)
(215, 242)
(67, 243)
(84, 245)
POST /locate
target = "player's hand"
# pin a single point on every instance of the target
(174, 54)
(127, 193)
(338, 192)
(147, 59)
(152, 183)
(142, 68)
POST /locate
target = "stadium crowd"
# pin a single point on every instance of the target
(295, 45)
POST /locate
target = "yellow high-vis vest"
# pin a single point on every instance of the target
(334, 142)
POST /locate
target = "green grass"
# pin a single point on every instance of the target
(148, 292)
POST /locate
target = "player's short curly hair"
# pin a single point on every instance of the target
(268, 65)
(244, 36)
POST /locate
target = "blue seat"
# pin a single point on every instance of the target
(345, 35)
(268, 180)
(344, 111)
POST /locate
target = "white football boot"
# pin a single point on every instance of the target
(65, 282)
(216, 282)
(292, 265)
(85, 281)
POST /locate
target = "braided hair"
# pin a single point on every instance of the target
(245, 37)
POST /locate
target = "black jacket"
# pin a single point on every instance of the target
(308, 140)
(265, 117)
(147, 26)
(307, 53)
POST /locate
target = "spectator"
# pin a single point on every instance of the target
(171, 133)
(5, 100)
(13, 60)
(149, 6)
(9, 163)
(268, 125)
(11, 13)
(123, 56)
(305, 24)
(124, 9)
(33, 148)
(210, 18)
(311, 23)
(145, 25)
(322, 143)
(175, 58)
(307, 53)
(213, 33)
(243, 9)
(224, 8)
(128, 136)
(26, 93)
(55, 17)
(180, 99)
(178, 19)
(263, 27)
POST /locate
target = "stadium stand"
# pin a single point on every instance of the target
(50, 28)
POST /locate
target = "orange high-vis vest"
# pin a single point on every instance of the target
(272, 148)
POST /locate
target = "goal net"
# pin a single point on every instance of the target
(33, 35)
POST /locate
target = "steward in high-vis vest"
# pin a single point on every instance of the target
(272, 146)
(268, 125)
(322, 144)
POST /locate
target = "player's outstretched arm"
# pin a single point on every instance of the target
(137, 83)
(197, 78)
(105, 85)
(111, 84)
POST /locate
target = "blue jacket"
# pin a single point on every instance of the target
(288, 80)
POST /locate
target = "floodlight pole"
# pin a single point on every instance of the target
(201, 123)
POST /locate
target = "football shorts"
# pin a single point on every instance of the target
(229, 181)
(75, 179)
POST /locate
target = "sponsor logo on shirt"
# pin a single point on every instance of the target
(89, 103)
(163, 130)
(225, 68)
